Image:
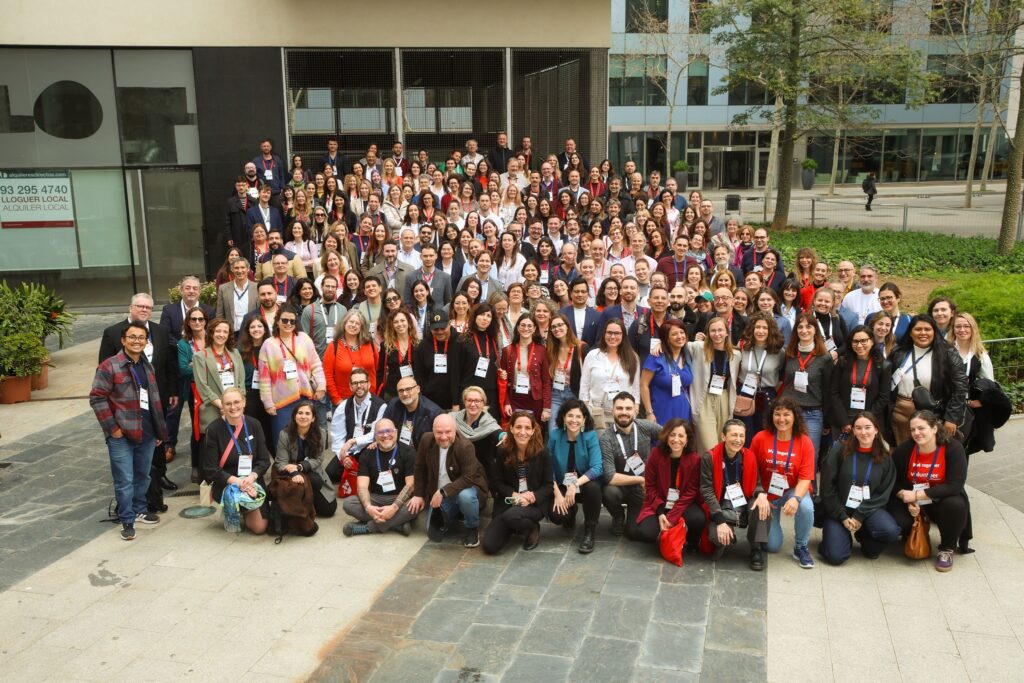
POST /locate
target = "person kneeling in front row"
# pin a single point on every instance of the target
(384, 466)
(625, 447)
(733, 495)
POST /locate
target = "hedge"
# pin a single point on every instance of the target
(996, 302)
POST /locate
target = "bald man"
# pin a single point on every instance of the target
(385, 485)
(451, 479)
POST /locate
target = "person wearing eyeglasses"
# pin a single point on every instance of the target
(193, 341)
(290, 370)
(125, 396)
(385, 485)
(860, 382)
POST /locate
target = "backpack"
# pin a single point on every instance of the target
(865, 185)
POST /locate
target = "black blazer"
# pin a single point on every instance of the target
(504, 480)
(217, 440)
(563, 161)
(840, 413)
(165, 355)
(235, 228)
(172, 319)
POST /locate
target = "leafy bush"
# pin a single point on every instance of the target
(994, 302)
(22, 354)
(207, 294)
(901, 253)
(36, 309)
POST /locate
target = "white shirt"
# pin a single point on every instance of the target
(509, 274)
(600, 375)
(580, 315)
(411, 258)
(923, 368)
(862, 304)
(442, 470)
(241, 305)
(339, 435)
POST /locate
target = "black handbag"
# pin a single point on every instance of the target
(921, 396)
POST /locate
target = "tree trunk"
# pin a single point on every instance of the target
(1011, 204)
(975, 142)
(773, 153)
(835, 161)
(990, 151)
(781, 217)
(668, 146)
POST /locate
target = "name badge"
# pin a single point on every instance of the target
(522, 485)
(677, 385)
(570, 479)
(148, 350)
(268, 174)
(482, 363)
(559, 381)
(717, 385)
(406, 435)
(357, 431)
(253, 192)
(858, 398)
(655, 346)
(922, 487)
(856, 496)
(227, 379)
(670, 500)
(636, 464)
(329, 334)
(735, 495)
(244, 465)
(800, 381)
(255, 379)
(522, 383)
(610, 392)
(750, 383)
(758, 269)
(144, 398)
(830, 345)
(291, 371)
(405, 371)
(545, 277)
(896, 378)
(281, 298)
(778, 484)
(386, 481)
(373, 328)
(441, 363)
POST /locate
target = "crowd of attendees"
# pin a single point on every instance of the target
(512, 336)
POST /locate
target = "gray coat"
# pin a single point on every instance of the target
(288, 453)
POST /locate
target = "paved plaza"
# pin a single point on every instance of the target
(188, 601)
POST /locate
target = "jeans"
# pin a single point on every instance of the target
(813, 420)
(465, 502)
(129, 466)
(802, 525)
(323, 407)
(280, 421)
(558, 397)
(877, 530)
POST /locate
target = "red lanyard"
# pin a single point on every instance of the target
(803, 362)
(864, 380)
(487, 346)
(568, 359)
(293, 347)
(408, 352)
(222, 366)
(427, 279)
(264, 162)
(195, 347)
(445, 346)
(529, 360)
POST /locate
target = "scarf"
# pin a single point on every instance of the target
(233, 501)
(487, 426)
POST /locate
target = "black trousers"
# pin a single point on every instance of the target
(590, 496)
(323, 507)
(949, 514)
(647, 531)
(506, 520)
(254, 408)
(614, 497)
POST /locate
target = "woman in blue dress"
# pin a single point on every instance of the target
(665, 378)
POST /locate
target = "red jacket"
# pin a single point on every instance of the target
(540, 378)
(657, 484)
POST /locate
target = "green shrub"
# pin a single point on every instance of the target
(207, 293)
(907, 254)
(22, 354)
(995, 302)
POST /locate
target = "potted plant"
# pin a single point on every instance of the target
(37, 309)
(681, 170)
(21, 355)
(807, 177)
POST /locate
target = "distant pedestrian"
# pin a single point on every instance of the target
(870, 189)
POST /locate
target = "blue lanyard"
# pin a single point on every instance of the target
(231, 433)
(867, 474)
(935, 459)
(245, 293)
(736, 472)
(391, 461)
(775, 452)
(138, 382)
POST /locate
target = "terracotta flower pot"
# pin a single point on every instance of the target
(42, 380)
(15, 390)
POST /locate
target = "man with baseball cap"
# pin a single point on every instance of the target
(430, 361)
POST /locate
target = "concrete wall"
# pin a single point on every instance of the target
(304, 23)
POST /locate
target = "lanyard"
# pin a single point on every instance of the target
(867, 475)
(759, 364)
(427, 279)
(234, 436)
(775, 452)
(264, 162)
(864, 380)
(913, 360)
(445, 346)
(804, 362)
(281, 287)
(244, 293)
(529, 359)
(487, 346)
(138, 382)
(675, 268)
(391, 458)
(361, 419)
(226, 364)
(284, 348)
(636, 442)
(408, 352)
(711, 375)
(736, 470)
(941, 450)
(651, 327)
(829, 335)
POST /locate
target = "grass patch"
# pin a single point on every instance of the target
(908, 254)
(996, 303)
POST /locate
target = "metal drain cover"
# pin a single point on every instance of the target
(197, 511)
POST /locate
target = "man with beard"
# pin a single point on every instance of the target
(643, 333)
(412, 414)
(625, 446)
(275, 246)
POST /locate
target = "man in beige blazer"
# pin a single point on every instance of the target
(238, 297)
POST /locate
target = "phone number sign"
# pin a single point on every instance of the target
(36, 199)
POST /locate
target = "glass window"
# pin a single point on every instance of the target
(697, 81)
(950, 17)
(864, 154)
(747, 93)
(953, 83)
(938, 154)
(901, 156)
(636, 80)
(646, 16)
(174, 226)
(697, 7)
(623, 147)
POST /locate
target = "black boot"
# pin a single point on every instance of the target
(587, 544)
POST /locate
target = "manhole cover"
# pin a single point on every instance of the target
(197, 511)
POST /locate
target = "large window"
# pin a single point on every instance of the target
(953, 79)
(636, 80)
(646, 16)
(950, 17)
(698, 22)
(697, 82)
(747, 93)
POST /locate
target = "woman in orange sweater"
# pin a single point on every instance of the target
(352, 348)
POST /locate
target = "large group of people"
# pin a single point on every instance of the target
(495, 340)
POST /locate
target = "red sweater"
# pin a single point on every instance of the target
(338, 368)
(657, 479)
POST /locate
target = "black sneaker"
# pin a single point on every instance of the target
(402, 529)
(355, 529)
(757, 559)
(127, 532)
(618, 526)
(471, 539)
(147, 518)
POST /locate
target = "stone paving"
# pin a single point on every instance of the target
(551, 614)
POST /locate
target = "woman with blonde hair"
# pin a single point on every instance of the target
(715, 365)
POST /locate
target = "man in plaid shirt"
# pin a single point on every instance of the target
(127, 404)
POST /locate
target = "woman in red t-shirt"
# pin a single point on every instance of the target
(931, 470)
(785, 457)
